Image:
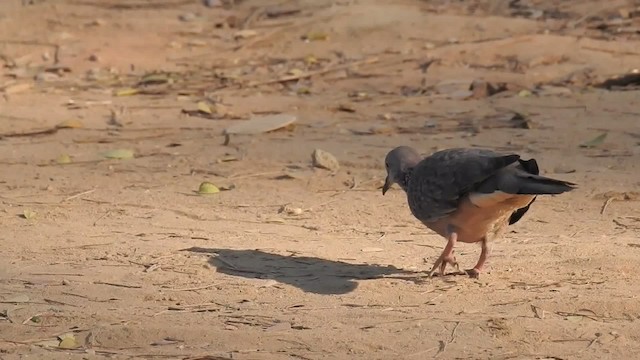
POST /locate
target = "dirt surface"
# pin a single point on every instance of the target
(120, 258)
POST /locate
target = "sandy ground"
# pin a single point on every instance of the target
(121, 259)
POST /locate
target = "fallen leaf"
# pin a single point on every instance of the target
(118, 154)
(346, 108)
(324, 160)
(524, 93)
(596, 141)
(244, 34)
(310, 60)
(275, 221)
(127, 92)
(290, 210)
(261, 124)
(315, 36)
(155, 79)
(68, 341)
(295, 72)
(204, 107)
(207, 188)
(28, 214)
(167, 341)
(70, 124)
(63, 159)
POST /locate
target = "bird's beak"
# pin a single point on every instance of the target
(387, 185)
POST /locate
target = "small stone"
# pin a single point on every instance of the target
(212, 3)
(46, 77)
(66, 282)
(93, 57)
(324, 160)
(187, 17)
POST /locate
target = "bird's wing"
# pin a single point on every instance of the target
(440, 181)
(520, 178)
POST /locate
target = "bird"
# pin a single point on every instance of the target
(468, 195)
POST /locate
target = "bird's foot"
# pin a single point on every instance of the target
(473, 273)
(441, 264)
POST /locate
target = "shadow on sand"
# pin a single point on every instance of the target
(309, 274)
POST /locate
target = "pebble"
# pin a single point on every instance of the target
(324, 160)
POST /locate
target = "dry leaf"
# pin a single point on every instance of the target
(315, 36)
(68, 341)
(244, 34)
(127, 92)
(204, 107)
(261, 124)
(70, 124)
(63, 159)
(324, 160)
(155, 79)
(596, 141)
(118, 154)
(28, 214)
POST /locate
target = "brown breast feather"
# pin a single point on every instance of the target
(480, 216)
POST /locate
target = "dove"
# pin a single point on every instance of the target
(468, 195)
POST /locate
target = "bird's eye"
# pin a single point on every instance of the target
(386, 165)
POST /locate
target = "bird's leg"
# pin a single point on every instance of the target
(447, 256)
(484, 254)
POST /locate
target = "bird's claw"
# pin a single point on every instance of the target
(441, 263)
(473, 273)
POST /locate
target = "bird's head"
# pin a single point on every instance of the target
(397, 162)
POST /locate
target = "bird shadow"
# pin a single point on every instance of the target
(310, 274)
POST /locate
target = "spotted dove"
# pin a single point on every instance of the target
(467, 195)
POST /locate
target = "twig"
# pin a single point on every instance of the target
(78, 195)
(606, 204)
(101, 216)
(236, 177)
(118, 285)
(443, 345)
(31, 317)
(193, 288)
(32, 133)
(56, 274)
(50, 301)
(313, 73)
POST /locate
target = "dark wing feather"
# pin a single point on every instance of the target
(439, 181)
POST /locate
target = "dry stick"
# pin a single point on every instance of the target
(57, 274)
(314, 73)
(193, 288)
(606, 204)
(78, 195)
(118, 285)
(443, 345)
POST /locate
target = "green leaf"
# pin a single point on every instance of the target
(207, 188)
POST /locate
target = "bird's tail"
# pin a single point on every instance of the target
(531, 184)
